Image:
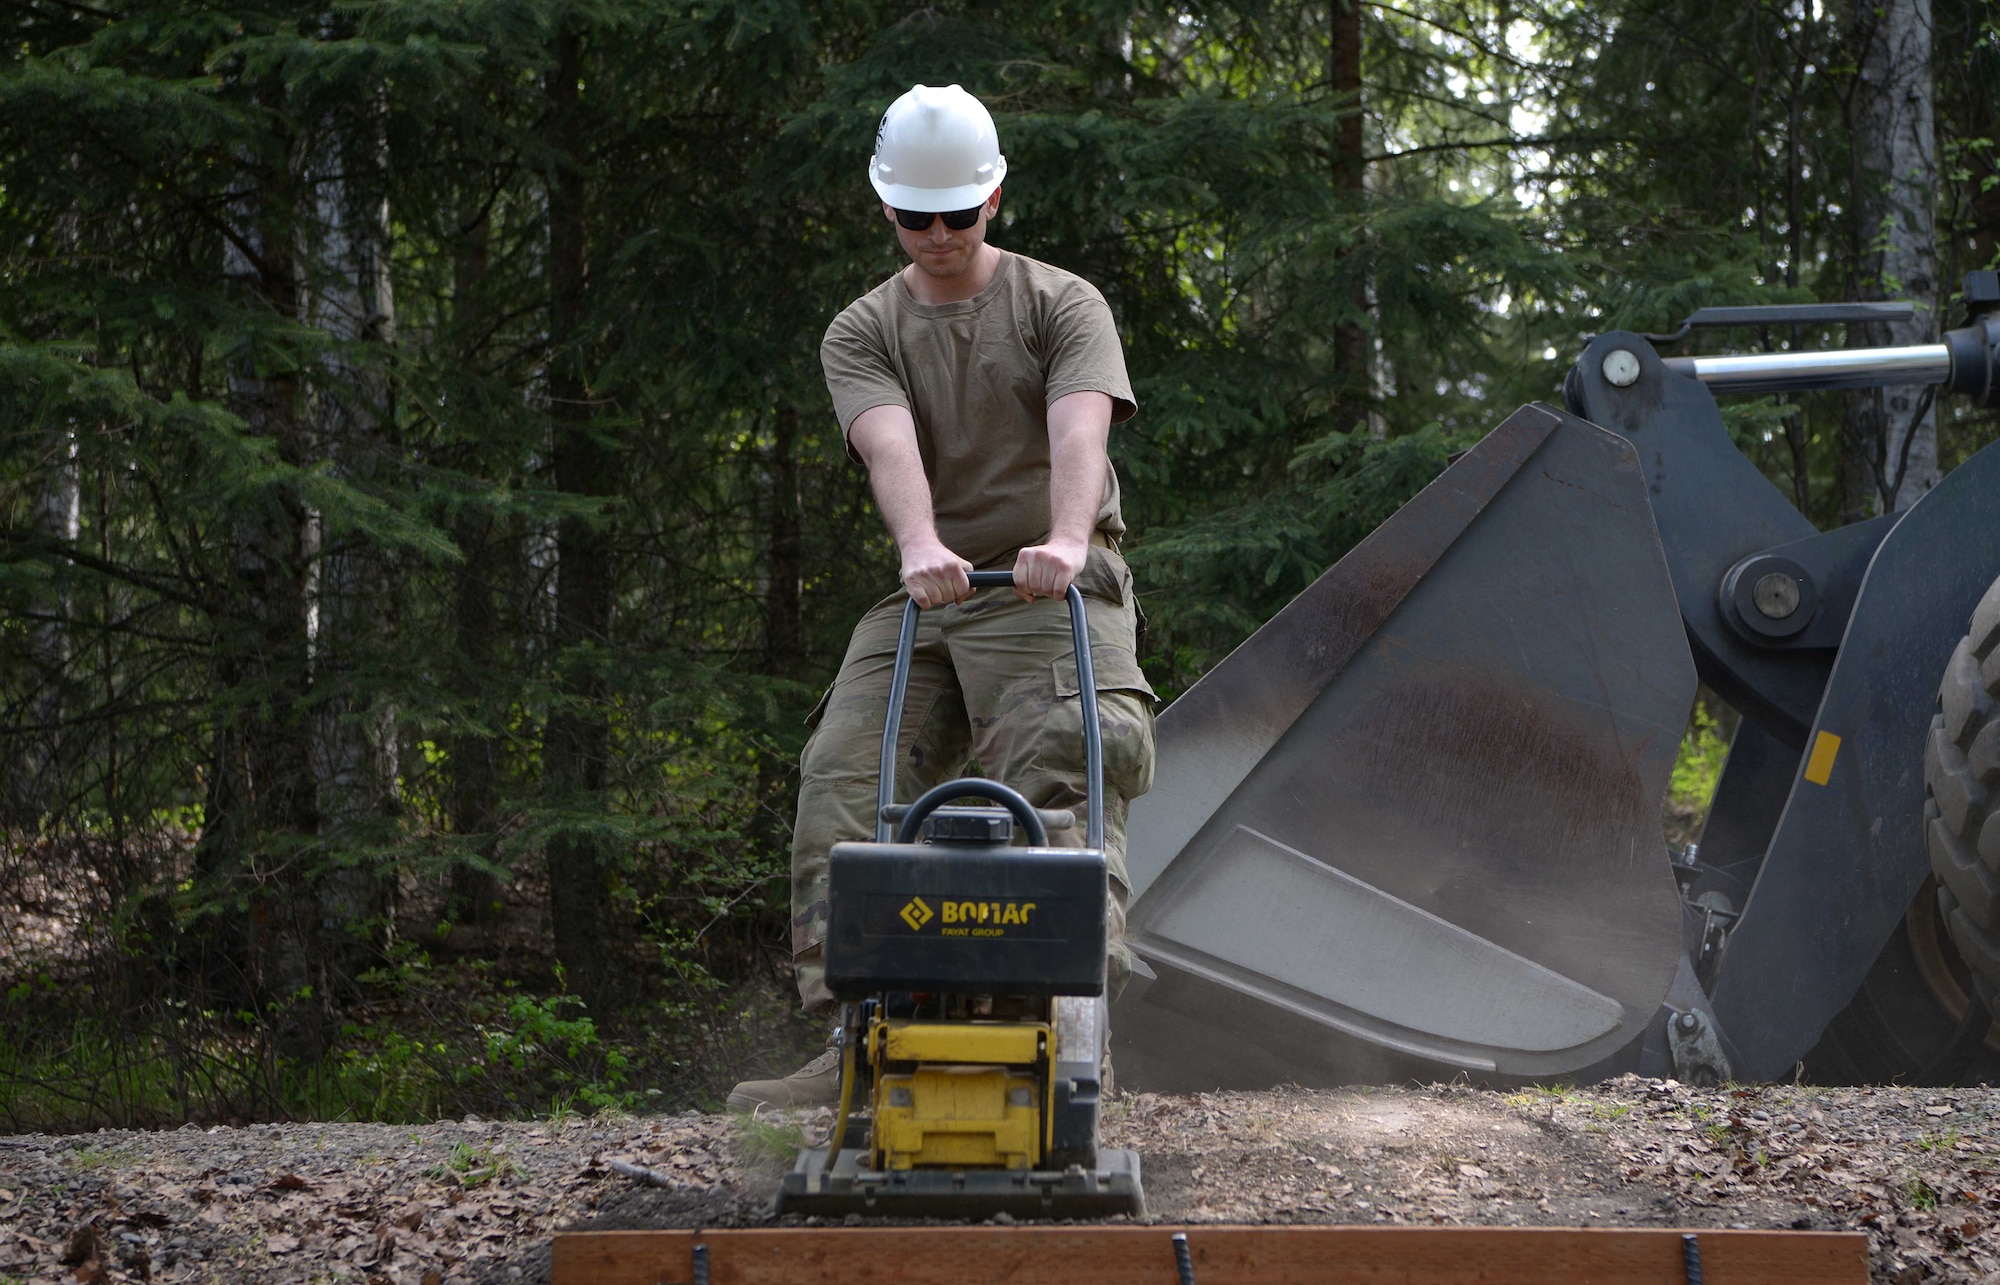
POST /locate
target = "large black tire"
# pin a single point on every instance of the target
(1908, 1022)
(1962, 797)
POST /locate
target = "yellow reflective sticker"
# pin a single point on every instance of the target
(1819, 768)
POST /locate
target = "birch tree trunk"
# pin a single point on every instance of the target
(27, 790)
(260, 799)
(353, 726)
(474, 897)
(32, 778)
(1892, 433)
(472, 755)
(577, 739)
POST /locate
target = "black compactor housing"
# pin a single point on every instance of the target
(971, 974)
(965, 918)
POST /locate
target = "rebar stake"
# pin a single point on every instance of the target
(701, 1263)
(1184, 1261)
(1690, 1257)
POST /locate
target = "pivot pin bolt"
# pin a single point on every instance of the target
(1621, 368)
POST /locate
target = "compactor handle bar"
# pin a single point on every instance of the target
(899, 682)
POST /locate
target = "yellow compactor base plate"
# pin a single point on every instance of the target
(966, 1095)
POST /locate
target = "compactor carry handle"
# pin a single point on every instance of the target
(1051, 818)
(1093, 741)
(973, 787)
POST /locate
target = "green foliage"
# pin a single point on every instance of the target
(474, 1164)
(479, 1046)
(201, 1066)
(435, 1043)
(1699, 764)
(768, 1144)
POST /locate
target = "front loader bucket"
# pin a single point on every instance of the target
(1411, 826)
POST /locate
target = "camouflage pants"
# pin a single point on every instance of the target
(992, 683)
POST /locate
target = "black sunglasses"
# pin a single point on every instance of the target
(920, 220)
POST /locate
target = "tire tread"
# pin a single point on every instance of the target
(1950, 781)
(1962, 782)
(1963, 696)
(1969, 880)
(1985, 633)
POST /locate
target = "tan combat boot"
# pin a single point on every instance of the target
(816, 1084)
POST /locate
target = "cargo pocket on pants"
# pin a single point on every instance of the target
(1124, 716)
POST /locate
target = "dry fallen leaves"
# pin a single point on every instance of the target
(397, 1205)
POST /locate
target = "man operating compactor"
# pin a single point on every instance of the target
(978, 388)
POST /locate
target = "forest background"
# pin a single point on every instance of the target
(425, 529)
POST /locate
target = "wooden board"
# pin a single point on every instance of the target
(1126, 1255)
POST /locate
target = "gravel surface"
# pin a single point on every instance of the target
(1919, 1170)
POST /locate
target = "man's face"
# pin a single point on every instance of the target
(938, 250)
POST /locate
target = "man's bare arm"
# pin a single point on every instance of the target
(886, 439)
(1079, 427)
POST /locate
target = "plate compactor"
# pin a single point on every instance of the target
(971, 976)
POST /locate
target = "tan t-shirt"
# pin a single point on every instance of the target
(978, 377)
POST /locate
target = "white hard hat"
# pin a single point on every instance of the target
(936, 150)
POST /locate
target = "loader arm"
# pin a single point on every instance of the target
(1819, 829)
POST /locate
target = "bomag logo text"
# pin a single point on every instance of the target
(967, 918)
(983, 918)
(988, 912)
